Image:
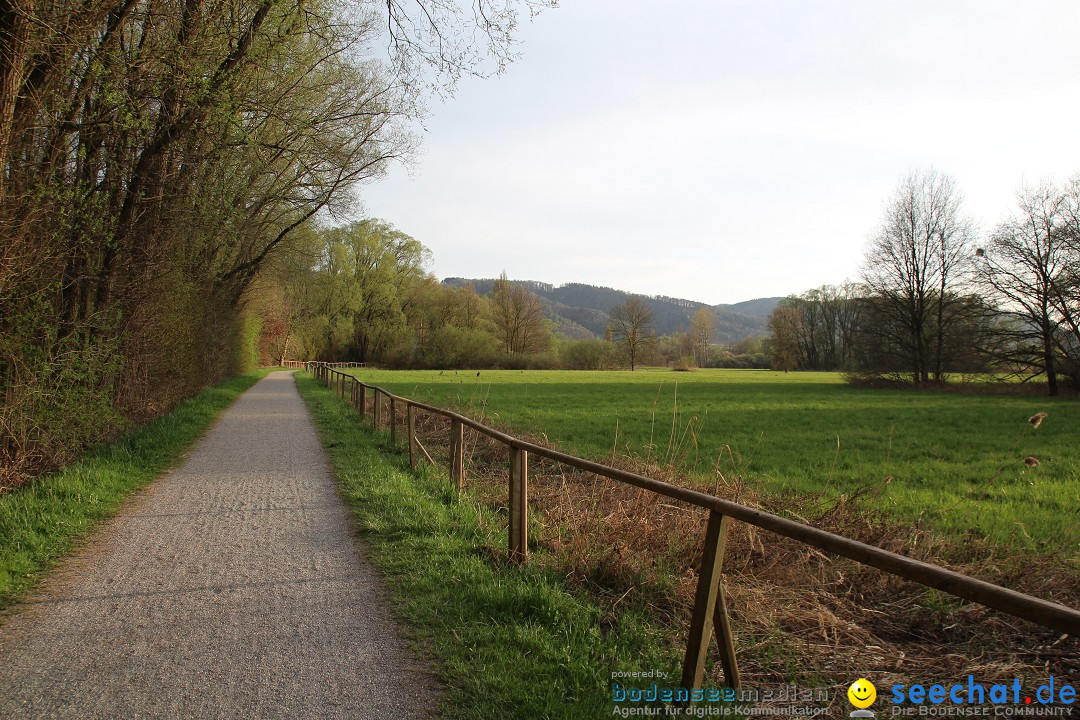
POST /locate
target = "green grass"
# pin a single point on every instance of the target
(41, 522)
(507, 641)
(954, 460)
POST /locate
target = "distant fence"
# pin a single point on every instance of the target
(301, 364)
(709, 616)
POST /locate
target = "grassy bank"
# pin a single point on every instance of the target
(508, 641)
(950, 459)
(42, 521)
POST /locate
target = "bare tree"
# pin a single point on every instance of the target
(1067, 293)
(1022, 265)
(701, 330)
(518, 317)
(917, 268)
(631, 327)
(452, 38)
(1030, 267)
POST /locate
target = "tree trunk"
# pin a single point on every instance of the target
(14, 32)
(1048, 363)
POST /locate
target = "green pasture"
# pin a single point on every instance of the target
(954, 460)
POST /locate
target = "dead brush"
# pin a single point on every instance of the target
(798, 614)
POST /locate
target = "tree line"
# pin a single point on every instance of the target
(359, 292)
(936, 300)
(157, 157)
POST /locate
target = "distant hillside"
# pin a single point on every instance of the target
(761, 307)
(581, 311)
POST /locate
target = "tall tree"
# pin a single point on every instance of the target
(1028, 268)
(631, 328)
(917, 269)
(519, 318)
(784, 331)
(701, 330)
(156, 156)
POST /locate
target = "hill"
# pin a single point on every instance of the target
(581, 311)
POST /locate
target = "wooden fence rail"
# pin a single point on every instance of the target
(709, 617)
(302, 364)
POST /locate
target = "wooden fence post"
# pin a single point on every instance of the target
(708, 603)
(355, 387)
(725, 640)
(519, 505)
(393, 423)
(410, 421)
(457, 454)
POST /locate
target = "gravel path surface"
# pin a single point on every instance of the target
(233, 587)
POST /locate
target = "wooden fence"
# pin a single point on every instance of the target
(709, 616)
(301, 364)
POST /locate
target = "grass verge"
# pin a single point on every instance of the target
(40, 522)
(507, 641)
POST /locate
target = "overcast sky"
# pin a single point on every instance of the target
(721, 151)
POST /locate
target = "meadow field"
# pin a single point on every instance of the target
(949, 459)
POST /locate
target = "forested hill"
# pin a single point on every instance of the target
(581, 311)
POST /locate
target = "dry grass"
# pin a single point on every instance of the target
(798, 614)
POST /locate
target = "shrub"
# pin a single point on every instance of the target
(455, 348)
(588, 355)
(684, 364)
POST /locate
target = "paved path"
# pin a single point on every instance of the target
(232, 587)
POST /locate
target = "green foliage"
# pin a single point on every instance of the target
(508, 641)
(351, 290)
(247, 347)
(748, 354)
(59, 395)
(41, 521)
(455, 348)
(359, 292)
(588, 355)
(685, 364)
(950, 459)
(144, 183)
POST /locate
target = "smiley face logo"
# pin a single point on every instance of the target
(862, 693)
